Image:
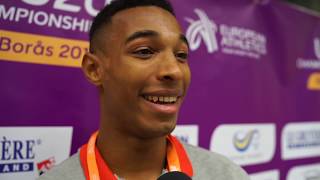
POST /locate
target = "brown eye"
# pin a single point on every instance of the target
(143, 53)
(182, 56)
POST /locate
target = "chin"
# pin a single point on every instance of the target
(156, 131)
(166, 130)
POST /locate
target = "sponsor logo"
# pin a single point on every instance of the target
(314, 81)
(312, 175)
(243, 140)
(45, 165)
(32, 151)
(17, 155)
(304, 172)
(300, 140)
(187, 133)
(232, 40)
(266, 175)
(316, 47)
(204, 30)
(245, 144)
(313, 63)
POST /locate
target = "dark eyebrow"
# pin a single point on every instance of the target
(142, 34)
(184, 39)
(151, 33)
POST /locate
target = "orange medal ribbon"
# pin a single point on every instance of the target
(91, 158)
(92, 162)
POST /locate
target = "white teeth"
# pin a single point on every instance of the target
(165, 99)
(155, 98)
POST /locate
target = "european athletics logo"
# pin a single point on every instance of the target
(316, 46)
(203, 29)
(311, 63)
(234, 40)
(313, 82)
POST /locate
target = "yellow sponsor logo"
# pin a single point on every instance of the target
(39, 49)
(243, 143)
(314, 81)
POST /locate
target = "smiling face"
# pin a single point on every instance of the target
(145, 73)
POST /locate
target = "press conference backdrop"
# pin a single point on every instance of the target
(254, 96)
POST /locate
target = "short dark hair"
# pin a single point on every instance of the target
(105, 15)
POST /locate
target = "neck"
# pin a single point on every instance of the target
(127, 155)
(130, 157)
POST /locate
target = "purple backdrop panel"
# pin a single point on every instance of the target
(255, 68)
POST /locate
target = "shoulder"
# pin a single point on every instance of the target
(70, 169)
(208, 164)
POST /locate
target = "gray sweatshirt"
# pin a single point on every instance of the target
(206, 166)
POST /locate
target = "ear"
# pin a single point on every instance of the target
(92, 68)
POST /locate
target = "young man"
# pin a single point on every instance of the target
(138, 60)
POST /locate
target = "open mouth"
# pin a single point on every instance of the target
(161, 99)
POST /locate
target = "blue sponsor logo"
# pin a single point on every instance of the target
(16, 167)
(242, 141)
(17, 155)
(303, 139)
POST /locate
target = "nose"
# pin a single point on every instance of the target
(169, 69)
